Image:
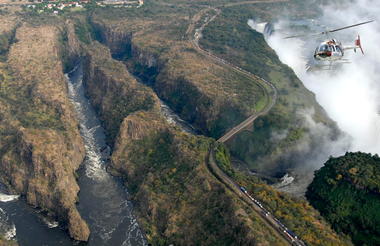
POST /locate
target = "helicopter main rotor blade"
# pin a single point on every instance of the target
(346, 27)
(303, 35)
(326, 32)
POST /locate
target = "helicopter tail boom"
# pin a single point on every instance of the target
(358, 44)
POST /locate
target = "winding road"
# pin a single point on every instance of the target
(271, 94)
(269, 89)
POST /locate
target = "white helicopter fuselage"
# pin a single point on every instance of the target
(329, 50)
(333, 50)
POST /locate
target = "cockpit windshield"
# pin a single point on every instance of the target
(324, 47)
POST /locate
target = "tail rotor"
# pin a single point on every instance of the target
(358, 45)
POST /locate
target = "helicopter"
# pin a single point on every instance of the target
(331, 50)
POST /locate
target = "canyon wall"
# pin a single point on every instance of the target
(41, 147)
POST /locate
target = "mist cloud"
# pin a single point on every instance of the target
(350, 95)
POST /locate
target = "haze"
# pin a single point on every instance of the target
(350, 95)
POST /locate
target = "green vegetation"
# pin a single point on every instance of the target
(22, 106)
(346, 191)
(295, 213)
(5, 40)
(163, 58)
(230, 37)
(222, 158)
(114, 93)
(83, 32)
(179, 201)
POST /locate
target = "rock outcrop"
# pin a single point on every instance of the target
(208, 95)
(113, 91)
(118, 41)
(41, 147)
(72, 49)
(178, 200)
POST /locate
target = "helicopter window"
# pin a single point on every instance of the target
(324, 47)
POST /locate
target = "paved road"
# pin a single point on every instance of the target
(271, 96)
(269, 89)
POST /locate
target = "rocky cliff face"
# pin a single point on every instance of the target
(118, 41)
(7, 31)
(112, 90)
(204, 93)
(72, 49)
(185, 86)
(41, 147)
(178, 200)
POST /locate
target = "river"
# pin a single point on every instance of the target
(103, 200)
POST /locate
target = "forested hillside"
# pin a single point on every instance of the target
(346, 192)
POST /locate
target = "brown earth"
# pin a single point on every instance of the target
(113, 91)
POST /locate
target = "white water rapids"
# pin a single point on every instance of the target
(103, 199)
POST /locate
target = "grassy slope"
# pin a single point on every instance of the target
(295, 213)
(40, 140)
(210, 96)
(346, 192)
(179, 201)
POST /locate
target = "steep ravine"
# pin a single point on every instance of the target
(103, 199)
(160, 164)
(176, 78)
